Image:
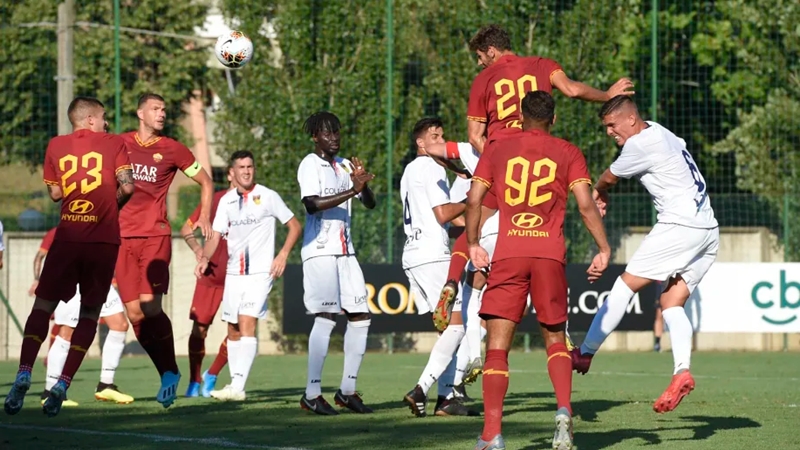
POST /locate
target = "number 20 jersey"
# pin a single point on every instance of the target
(532, 174)
(496, 93)
(85, 165)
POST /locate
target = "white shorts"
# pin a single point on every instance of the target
(334, 283)
(68, 313)
(670, 250)
(425, 284)
(245, 295)
(488, 238)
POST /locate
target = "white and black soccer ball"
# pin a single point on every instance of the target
(234, 50)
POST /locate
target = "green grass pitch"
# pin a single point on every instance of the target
(742, 401)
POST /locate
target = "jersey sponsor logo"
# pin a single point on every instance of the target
(244, 222)
(143, 172)
(526, 222)
(80, 206)
(257, 199)
(764, 297)
(334, 191)
(158, 157)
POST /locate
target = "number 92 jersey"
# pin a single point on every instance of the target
(665, 168)
(84, 165)
(496, 93)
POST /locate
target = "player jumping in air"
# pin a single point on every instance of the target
(206, 301)
(66, 318)
(493, 111)
(146, 250)
(679, 249)
(246, 216)
(332, 278)
(90, 173)
(532, 174)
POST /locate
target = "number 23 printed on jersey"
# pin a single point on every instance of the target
(69, 164)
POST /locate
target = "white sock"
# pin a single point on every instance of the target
(248, 347)
(112, 352)
(234, 349)
(680, 335)
(608, 316)
(441, 356)
(355, 345)
(462, 361)
(447, 380)
(473, 323)
(318, 342)
(56, 358)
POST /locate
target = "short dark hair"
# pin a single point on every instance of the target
(79, 107)
(490, 36)
(321, 121)
(423, 125)
(240, 154)
(538, 106)
(616, 104)
(149, 96)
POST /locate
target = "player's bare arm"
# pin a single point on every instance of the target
(279, 263)
(37, 270)
(56, 194)
(600, 194)
(476, 131)
(472, 215)
(448, 212)
(594, 224)
(125, 186)
(576, 89)
(188, 236)
(206, 197)
(208, 250)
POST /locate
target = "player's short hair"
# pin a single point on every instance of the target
(322, 121)
(538, 106)
(615, 104)
(422, 126)
(80, 107)
(149, 96)
(490, 36)
(240, 154)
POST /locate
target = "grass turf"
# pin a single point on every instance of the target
(742, 401)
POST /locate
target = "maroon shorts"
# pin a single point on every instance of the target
(205, 303)
(510, 281)
(69, 264)
(143, 266)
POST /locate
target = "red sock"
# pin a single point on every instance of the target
(197, 351)
(495, 386)
(34, 335)
(82, 339)
(159, 329)
(146, 341)
(458, 259)
(221, 360)
(559, 366)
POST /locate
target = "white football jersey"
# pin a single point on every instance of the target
(665, 168)
(326, 232)
(248, 220)
(424, 186)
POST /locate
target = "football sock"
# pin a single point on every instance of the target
(158, 330)
(112, 352)
(56, 358)
(146, 341)
(82, 339)
(474, 330)
(220, 360)
(197, 351)
(318, 342)
(233, 356)
(446, 381)
(680, 335)
(608, 316)
(247, 354)
(355, 345)
(441, 355)
(559, 366)
(462, 361)
(495, 386)
(33, 337)
(458, 259)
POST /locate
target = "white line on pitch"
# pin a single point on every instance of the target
(215, 442)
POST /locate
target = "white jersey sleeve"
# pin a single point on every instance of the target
(632, 161)
(221, 219)
(469, 156)
(277, 208)
(308, 178)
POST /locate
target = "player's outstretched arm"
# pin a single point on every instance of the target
(576, 89)
(594, 223)
(206, 197)
(279, 263)
(125, 187)
(476, 131)
(600, 194)
(448, 212)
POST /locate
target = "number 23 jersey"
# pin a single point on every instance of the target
(85, 165)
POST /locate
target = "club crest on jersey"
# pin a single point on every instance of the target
(257, 199)
(157, 157)
(346, 168)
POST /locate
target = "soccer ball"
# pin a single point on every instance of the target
(234, 49)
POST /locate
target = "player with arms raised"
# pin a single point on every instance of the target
(146, 250)
(532, 174)
(90, 173)
(678, 251)
(332, 279)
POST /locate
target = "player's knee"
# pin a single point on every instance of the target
(233, 332)
(199, 331)
(45, 305)
(117, 322)
(65, 332)
(356, 317)
(151, 308)
(329, 316)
